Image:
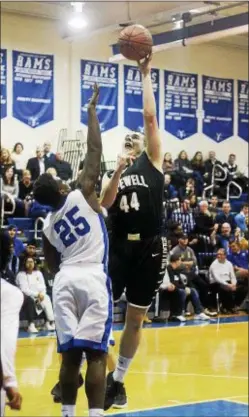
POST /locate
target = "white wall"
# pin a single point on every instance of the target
(36, 35)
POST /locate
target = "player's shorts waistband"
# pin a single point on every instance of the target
(137, 237)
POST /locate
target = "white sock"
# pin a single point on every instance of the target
(121, 368)
(96, 412)
(68, 410)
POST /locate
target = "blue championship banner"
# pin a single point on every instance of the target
(243, 120)
(218, 105)
(33, 88)
(133, 97)
(3, 83)
(180, 104)
(106, 76)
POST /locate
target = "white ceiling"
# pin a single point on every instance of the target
(106, 16)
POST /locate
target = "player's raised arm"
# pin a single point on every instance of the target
(91, 171)
(152, 135)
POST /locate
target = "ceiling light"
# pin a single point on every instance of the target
(77, 6)
(77, 21)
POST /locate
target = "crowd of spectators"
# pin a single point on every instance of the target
(19, 173)
(208, 242)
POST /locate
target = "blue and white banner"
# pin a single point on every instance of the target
(33, 88)
(133, 97)
(3, 83)
(106, 76)
(243, 120)
(218, 105)
(180, 104)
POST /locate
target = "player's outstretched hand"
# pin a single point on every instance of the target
(94, 99)
(145, 64)
(14, 397)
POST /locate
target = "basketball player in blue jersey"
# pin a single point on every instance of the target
(138, 254)
(76, 249)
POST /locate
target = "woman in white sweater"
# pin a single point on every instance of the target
(32, 284)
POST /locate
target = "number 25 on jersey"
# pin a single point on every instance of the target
(66, 227)
(133, 204)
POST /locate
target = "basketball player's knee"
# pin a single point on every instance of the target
(135, 323)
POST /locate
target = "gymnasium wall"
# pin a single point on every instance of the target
(42, 36)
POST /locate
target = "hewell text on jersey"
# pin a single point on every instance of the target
(131, 180)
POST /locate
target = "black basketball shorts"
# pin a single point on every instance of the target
(137, 267)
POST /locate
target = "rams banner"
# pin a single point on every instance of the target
(33, 88)
(243, 121)
(106, 76)
(180, 104)
(3, 83)
(133, 97)
(218, 107)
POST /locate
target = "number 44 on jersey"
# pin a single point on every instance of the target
(126, 205)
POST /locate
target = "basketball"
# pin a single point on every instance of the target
(135, 42)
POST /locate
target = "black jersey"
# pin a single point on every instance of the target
(138, 205)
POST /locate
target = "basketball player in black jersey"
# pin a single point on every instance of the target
(137, 262)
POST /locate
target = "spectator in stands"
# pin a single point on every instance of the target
(239, 259)
(225, 216)
(183, 164)
(6, 161)
(49, 157)
(10, 189)
(188, 258)
(19, 158)
(168, 164)
(241, 219)
(174, 231)
(32, 284)
(210, 163)
(181, 289)
(223, 280)
(25, 185)
(52, 171)
(29, 252)
(231, 166)
(188, 191)
(204, 221)
(15, 241)
(213, 206)
(169, 190)
(184, 216)
(14, 261)
(37, 165)
(63, 168)
(9, 184)
(197, 163)
(226, 236)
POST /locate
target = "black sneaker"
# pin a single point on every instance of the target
(120, 400)
(114, 391)
(56, 391)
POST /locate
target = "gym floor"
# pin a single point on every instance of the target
(193, 369)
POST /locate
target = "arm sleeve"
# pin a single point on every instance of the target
(22, 283)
